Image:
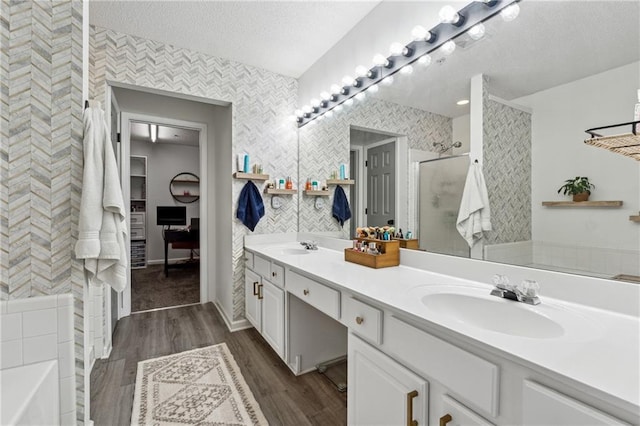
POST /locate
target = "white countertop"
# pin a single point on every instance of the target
(601, 349)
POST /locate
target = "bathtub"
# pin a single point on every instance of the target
(30, 394)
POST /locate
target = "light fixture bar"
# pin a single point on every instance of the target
(472, 14)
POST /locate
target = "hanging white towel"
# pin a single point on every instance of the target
(102, 227)
(474, 216)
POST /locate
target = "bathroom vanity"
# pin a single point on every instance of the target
(427, 348)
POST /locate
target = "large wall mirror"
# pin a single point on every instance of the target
(535, 85)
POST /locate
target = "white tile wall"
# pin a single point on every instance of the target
(39, 329)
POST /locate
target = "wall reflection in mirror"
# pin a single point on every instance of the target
(535, 85)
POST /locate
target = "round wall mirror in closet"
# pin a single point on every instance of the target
(185, 187)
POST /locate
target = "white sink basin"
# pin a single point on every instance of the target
(294, 251)
(460, 306)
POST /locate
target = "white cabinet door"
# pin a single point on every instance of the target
(544, 406)
(381, 391)
(252, 306)
(273, 316)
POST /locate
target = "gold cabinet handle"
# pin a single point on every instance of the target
(445, 419)
(260, 291)
(359, 320)
(306, 292)
(255, 289)
(410, 396)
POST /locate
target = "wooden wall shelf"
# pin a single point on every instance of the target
(317, 193)
(251, 176)
(341, 182)
(635, 218)
(582, 203)
(273, 191)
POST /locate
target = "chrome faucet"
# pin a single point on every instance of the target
(527, 292)
(309, 245)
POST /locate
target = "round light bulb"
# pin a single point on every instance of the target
(373, 88)
(335, 89)
(293, 118)
(325, 96)
(448, 47)
(425, 60)
(477, 31)
(448, 15)
(379, 60)
(419, 33)
(360, 96)
(510, 12)
(387, 80)
(406, 70)
(396, 49)
(299, 113)
(349, 102)
(347, 80)
(306, 109)
(315, 103)
(361, 71)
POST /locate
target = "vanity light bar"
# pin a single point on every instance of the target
(470, 15)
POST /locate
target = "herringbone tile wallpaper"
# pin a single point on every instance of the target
(261, 102)
(41, 156)
(507, 170)
(324, 145)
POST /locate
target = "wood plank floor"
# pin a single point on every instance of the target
(284, 398)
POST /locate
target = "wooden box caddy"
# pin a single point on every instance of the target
(389, 254)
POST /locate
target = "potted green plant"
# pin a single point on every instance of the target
(580, 188)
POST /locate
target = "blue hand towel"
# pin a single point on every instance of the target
(250, 206)
(341, 210)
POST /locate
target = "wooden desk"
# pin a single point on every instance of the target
(178, 240)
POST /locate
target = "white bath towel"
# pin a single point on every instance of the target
(102, 227)
(474, 216)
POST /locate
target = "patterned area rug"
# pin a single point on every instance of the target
(203, 386)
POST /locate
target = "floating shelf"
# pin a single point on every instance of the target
(582, 203)
(273, 191)
(341, 182)
(252, 176)
(635, 218)
(317, 193)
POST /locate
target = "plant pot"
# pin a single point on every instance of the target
(583, 196)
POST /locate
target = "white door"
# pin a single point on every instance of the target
(273, 316)
(253, 303)
(381, 391)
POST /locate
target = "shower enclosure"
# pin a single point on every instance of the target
(441, 182)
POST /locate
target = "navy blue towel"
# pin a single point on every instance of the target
(250, 206)
(341, 210)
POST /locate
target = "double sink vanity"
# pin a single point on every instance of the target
(429, 348)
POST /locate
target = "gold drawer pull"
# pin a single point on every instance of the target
(445, 419)
(260, 292)
(410, 396)
(359, 320)
(306, 292)
(255, 289)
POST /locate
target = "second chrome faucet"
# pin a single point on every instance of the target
(527, 292)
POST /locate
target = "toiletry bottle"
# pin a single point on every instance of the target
(636, 111)
(341, 171)
(289, 184)
(246, 163)
(307, 185)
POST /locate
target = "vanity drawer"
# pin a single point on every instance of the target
(277, 275)
(468, 377)
(137, 233)
(248, 259)
(262, 266)
(362, 319)
(317, 295)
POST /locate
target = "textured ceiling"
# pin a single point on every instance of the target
(286, 37)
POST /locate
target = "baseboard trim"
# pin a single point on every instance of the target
(232, 325)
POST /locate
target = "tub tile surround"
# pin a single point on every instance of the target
(611, 310)
(41, 329)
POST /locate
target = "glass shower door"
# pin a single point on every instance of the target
(441, 183)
